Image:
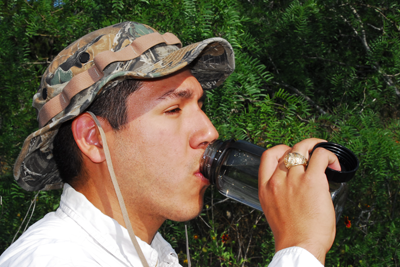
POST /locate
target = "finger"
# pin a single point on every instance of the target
(269, 162)
(320, 160)
(335, 165)
(303, 148)
(306, 146)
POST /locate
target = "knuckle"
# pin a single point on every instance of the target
(318, 140)
(319, 151)
(265, 155)
(306, 144)
(274, 152)
(297, 147)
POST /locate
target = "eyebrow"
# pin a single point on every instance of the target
(185, 94)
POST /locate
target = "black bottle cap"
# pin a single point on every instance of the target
(348, 162)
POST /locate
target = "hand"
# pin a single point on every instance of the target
(297, 202)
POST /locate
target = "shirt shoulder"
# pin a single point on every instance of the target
(54, 240)
(294, 257)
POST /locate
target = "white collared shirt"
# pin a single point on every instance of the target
(79, 234)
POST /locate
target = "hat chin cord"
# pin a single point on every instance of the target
(118, 192)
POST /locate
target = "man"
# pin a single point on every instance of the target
(135, 163)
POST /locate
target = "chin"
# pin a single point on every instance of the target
(190, 210)
(187, 218)
(189, 213)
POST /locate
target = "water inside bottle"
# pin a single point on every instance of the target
(237, 178)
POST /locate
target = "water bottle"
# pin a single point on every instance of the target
(232, 166)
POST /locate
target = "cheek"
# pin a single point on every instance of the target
(154, 148)
(164, 138)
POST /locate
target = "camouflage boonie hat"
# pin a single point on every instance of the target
(79, 72)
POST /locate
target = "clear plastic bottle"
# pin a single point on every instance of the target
(232, 166)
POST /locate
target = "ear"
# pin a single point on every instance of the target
(87, 137)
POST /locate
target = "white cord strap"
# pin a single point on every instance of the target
(187, 247)
(118, 192)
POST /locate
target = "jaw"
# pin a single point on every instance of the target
(190, 211)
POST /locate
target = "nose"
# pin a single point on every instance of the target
(203, 132)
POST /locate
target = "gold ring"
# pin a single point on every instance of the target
(294, 159)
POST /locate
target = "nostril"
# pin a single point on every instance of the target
(204, 144)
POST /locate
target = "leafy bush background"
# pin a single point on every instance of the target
(327, 69)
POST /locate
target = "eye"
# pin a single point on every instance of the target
(173, 111)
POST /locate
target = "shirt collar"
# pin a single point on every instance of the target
(109, 233)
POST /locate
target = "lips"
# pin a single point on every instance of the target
(201, 177)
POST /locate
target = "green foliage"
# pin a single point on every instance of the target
(310, 68)
(372, 205)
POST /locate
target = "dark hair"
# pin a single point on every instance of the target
(110, 105)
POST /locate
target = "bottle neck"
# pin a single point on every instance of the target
(215, 154)
(212, 157)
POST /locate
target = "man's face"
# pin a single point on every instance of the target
(157, 154)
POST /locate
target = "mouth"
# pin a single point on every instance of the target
(199, 175)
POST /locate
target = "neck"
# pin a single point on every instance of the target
(99, 190)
